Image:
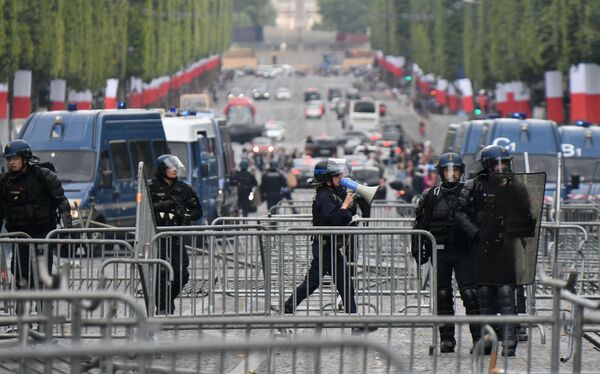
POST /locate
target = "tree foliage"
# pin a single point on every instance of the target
(253, 12)
(86, 42)
(351, 16)
(490, 40)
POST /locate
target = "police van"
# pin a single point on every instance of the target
(96, 153)
(467, 139)
(203, 144)
(581, 151)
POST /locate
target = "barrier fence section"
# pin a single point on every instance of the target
(316, 343)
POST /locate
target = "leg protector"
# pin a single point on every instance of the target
(469, 297)
(445, 306)
(506, 303)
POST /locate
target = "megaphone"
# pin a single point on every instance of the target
(366, 192)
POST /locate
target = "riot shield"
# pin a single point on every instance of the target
(509, 233)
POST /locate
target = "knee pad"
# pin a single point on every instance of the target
(486, 296)
(506, 299)
(469, 297)
(445, 301)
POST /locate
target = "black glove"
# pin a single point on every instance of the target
(67, 221)
(425, 250)
(167, 205)
(185, 220)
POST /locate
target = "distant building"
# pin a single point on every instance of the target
(296, 14)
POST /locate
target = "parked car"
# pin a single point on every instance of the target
(262, 145)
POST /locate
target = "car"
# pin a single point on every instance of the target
(303, 168)
(274, 130)
(311, 94)
(351, 144)
(260, 92)
(283, 93)
(262, 145)
(323, 147)
(352, 94)
(357, 160)
(371, 176)
(235, 92)
(314, 109)
(333, 93)
(266, 71)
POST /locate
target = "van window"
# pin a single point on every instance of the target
(180, 150)
(460, 133)
(364, 107)
(211, 146)
(121, 160)
(140, 151)
(450, 135)
(160, 148)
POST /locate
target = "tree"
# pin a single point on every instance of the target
(349, 16)
(258, 12)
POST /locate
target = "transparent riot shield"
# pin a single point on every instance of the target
(508, 236)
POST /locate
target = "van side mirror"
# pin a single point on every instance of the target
(575, 181)
(106, 178)
(204, 170)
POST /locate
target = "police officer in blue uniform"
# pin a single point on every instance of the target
(435, 213)
(246, 182)
(175, 203)
(31, 196)
(272, 185)
(472, 217)
(331, 207)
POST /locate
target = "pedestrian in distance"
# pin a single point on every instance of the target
(246, 183)
(331, 207)
(32, 201)
(175, 203)
(435, 213)
(272, 185)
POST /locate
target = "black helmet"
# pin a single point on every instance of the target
(448, 161)
(244, 164)
(273, 164)
(18, 147)
(493, 155)
(164, 162)
(326, 169)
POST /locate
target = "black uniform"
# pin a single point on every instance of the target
(174, 205)
(272, 184)
(471, 216)
(327, 211)
(30, 201)
(245, 183)
(436, 213)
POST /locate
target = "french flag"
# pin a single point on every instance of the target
(440, 92)
(110, 93)
(453, 102)
(466, 89)
(82, 99)
(501, 99)
(3, 101)
(21, 94)
(584, 85)
(58, 92)
(518, 97)
(554, 96)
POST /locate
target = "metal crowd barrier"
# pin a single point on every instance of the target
(379, 208)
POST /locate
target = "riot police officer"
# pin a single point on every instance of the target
(272, 185)
(436, 213)
(330, 207)
(31, 196)
(471, 215)
(175, 203)
(246, 181)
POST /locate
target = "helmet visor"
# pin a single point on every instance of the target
(172, 163)
(450, 172)
(501, 165)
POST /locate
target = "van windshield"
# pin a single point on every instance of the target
(537, 163)
(584, 167)
(364, 107)
(71, 166)
(239, 114)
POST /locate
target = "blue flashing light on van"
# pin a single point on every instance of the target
(96, 153)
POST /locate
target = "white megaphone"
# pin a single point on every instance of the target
(366, 192)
